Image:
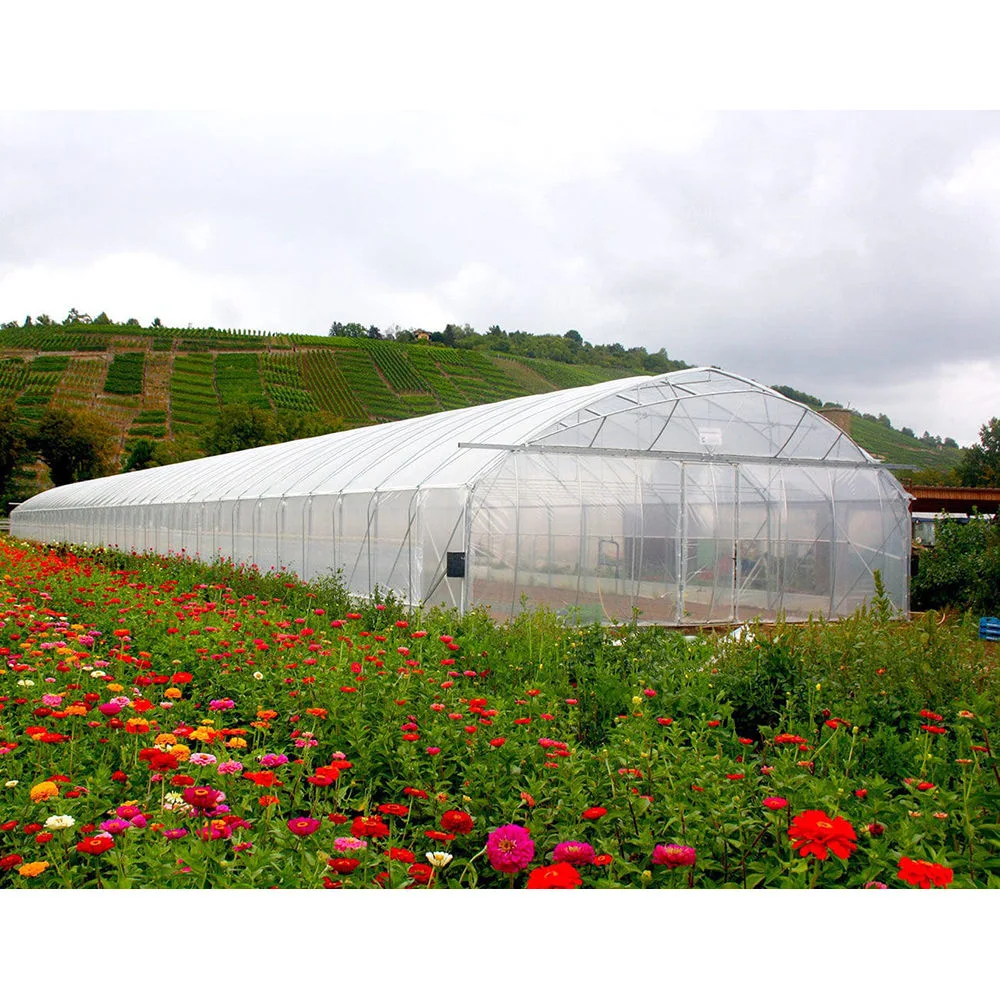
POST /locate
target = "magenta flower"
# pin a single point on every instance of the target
(218, 704)
(273, 759)
(573, 851)
(510, 848)
(175, 834)
(302, 826)
(115, 826)
(673, 855)
(230, 767)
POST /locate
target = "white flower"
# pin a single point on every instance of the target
(258, 676)
(25, 683)
(11, 784)
(438, 858)
(59, 822)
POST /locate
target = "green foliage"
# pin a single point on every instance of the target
(240, 427)
(962, 569)
(125, 374)
(13, 448)
(75, 444)
(981, 464)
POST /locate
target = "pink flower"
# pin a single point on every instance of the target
(673, 855)
(175, 834)
(218, 704)
(115, 826)
(230, 767)
(775, 802)
(433, 750)
(302, 826)
(510, 848)
(573, 851)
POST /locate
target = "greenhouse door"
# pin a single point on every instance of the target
(708, 553)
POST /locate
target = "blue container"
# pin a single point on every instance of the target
(989, 628)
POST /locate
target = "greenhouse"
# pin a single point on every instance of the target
(693, 497)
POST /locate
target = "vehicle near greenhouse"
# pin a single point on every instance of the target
(695, 496)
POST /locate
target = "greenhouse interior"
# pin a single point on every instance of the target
(689, 498)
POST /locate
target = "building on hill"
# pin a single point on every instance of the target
(696, 496)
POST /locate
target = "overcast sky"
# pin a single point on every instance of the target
(853, 255)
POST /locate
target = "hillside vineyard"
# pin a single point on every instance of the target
(694, 496)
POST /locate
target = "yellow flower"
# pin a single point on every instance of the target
(44, 790)
(237, 743)
(33, 869)
(202, 733)
(172, 693)
(180, 751)
(117, 688)
(164, 740)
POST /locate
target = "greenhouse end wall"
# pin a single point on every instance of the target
(689, 498)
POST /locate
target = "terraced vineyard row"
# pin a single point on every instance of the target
(328, 387)
(194, 402)
(237, 380)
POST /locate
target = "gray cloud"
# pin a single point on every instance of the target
(850, 255)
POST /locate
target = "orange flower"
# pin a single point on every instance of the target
(33, 869)
(44, 790)
(813, 832)
(269, 800)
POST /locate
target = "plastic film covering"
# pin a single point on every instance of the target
(697, 496)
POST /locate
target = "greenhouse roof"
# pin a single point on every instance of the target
(697, 414)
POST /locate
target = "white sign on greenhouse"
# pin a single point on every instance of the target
(696, 496)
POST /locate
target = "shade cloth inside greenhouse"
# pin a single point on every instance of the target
(695, 496)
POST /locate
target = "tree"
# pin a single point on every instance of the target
(374, 333)
(75, 444)
(13, 446)
(574, 335)
(240, 427)
(336, 329)
(44, 320)
(156, 322)
(103, 319)
(75, 316)
(980, 465)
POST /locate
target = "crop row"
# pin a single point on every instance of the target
(125, 374)
(329, 388)
(395, 365)
(237, 379)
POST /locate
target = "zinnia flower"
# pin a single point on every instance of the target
(558, 876)
(44, 790)
(457, 821)
(369, 826)
(594, 812)
(59, 822)
(303, 826)
(924, 874)
(33, 869)
(438, 859)
(573, 852)
(95, 844)
(673, 855)
(775, 802)
(813, 832)
(510, 848)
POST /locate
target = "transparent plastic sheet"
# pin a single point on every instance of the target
(694, 496)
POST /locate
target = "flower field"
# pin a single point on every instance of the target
(170, 725)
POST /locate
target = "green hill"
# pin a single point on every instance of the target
(160, 383)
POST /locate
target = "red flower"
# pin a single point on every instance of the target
(813, 832)
(95, 845)
(420, 873)
(415, 793)
(119, 776)
(602, 859)
(457, 821)
(401, 854)
(393, 809)
(497, 741)
(594, 812)
(924, 874)
(561, 875)
(368, 826)
(343, 866)
(934, 729)
(775, 802)
(10, 861)
(438, 835)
